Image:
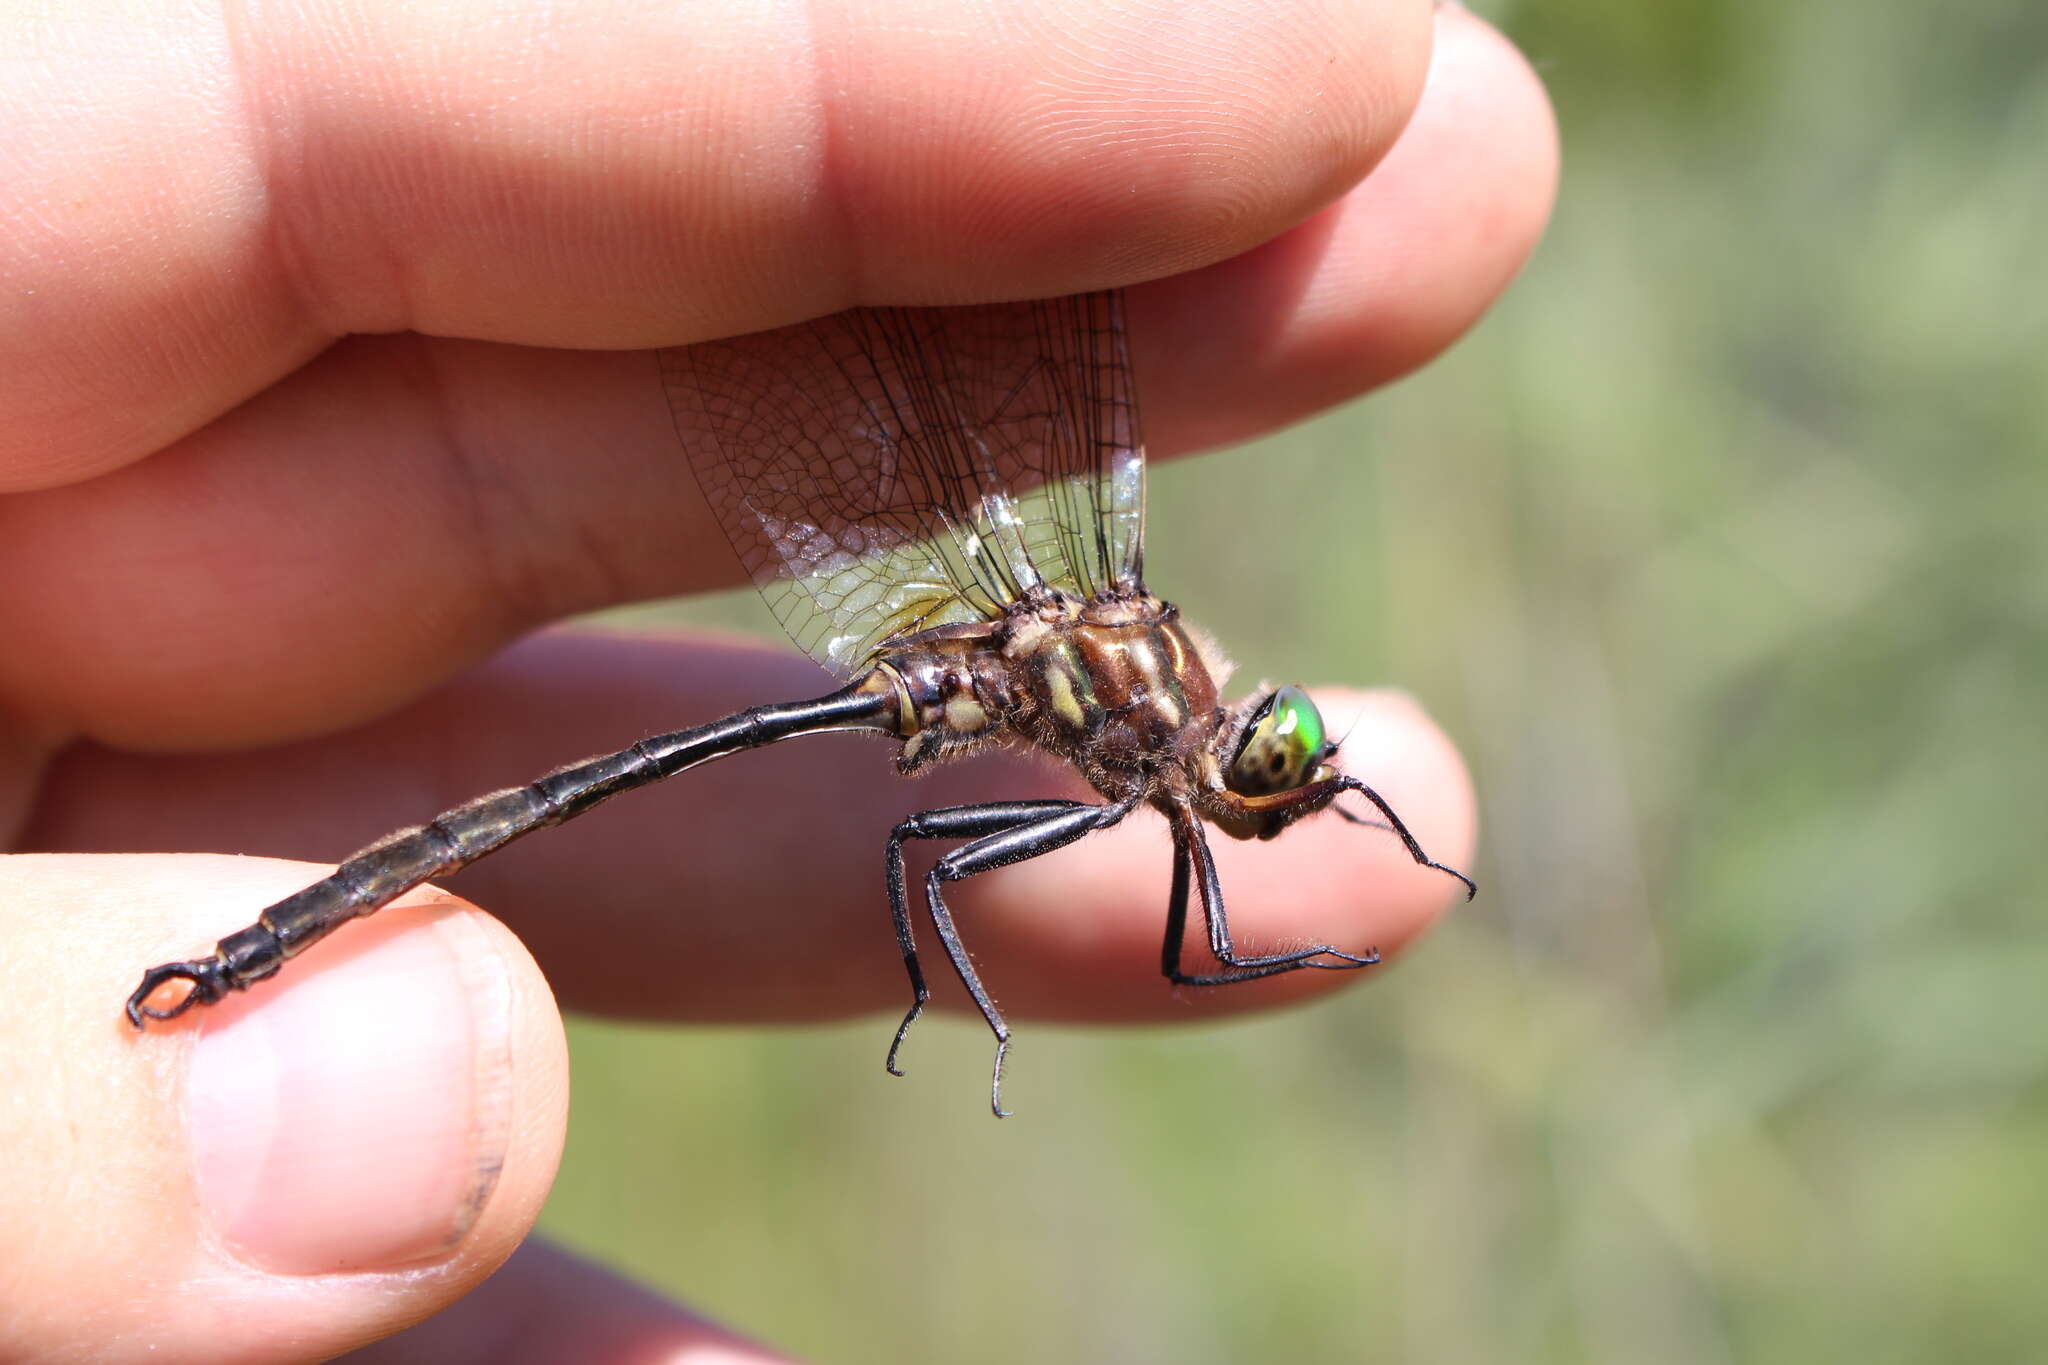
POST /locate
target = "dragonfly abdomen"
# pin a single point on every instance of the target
(375, 876)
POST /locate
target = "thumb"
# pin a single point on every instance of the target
(316, 1164)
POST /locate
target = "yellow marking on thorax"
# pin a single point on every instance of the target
(1145, 655)
(1026, 638)
(964, 714)
(1059, 682)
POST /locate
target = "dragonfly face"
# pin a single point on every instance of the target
(946, 508)
(1269, 765)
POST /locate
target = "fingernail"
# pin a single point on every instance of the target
(355, 1117)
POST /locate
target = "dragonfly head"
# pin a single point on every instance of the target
(1277, 745)
(1281, 742)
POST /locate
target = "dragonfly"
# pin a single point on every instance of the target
(945, 508)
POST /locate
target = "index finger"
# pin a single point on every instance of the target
(646, 174)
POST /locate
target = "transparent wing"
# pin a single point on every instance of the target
(888, 470)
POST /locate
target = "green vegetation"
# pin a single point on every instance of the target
(1722, 547)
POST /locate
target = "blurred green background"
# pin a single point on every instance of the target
(1719, 547)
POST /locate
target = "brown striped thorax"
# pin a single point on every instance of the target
(1125, 690)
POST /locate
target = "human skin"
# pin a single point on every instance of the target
(320, 395)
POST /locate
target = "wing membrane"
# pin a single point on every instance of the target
(888, 470)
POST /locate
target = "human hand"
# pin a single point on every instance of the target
(248, 572)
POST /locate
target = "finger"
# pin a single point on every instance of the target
(645, 173)
(257, 1184)
(751, 889)
(1377, 283)
(547, 1306)
(419, 503)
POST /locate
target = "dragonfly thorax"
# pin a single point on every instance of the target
(1116, 684)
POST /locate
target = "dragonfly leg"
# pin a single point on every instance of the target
(1192, 861)
(1060, 826)
(1400, 828)
(947, 822)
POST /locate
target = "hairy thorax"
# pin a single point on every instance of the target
(1116, 685)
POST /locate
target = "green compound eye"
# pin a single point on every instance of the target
(1281, 747)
